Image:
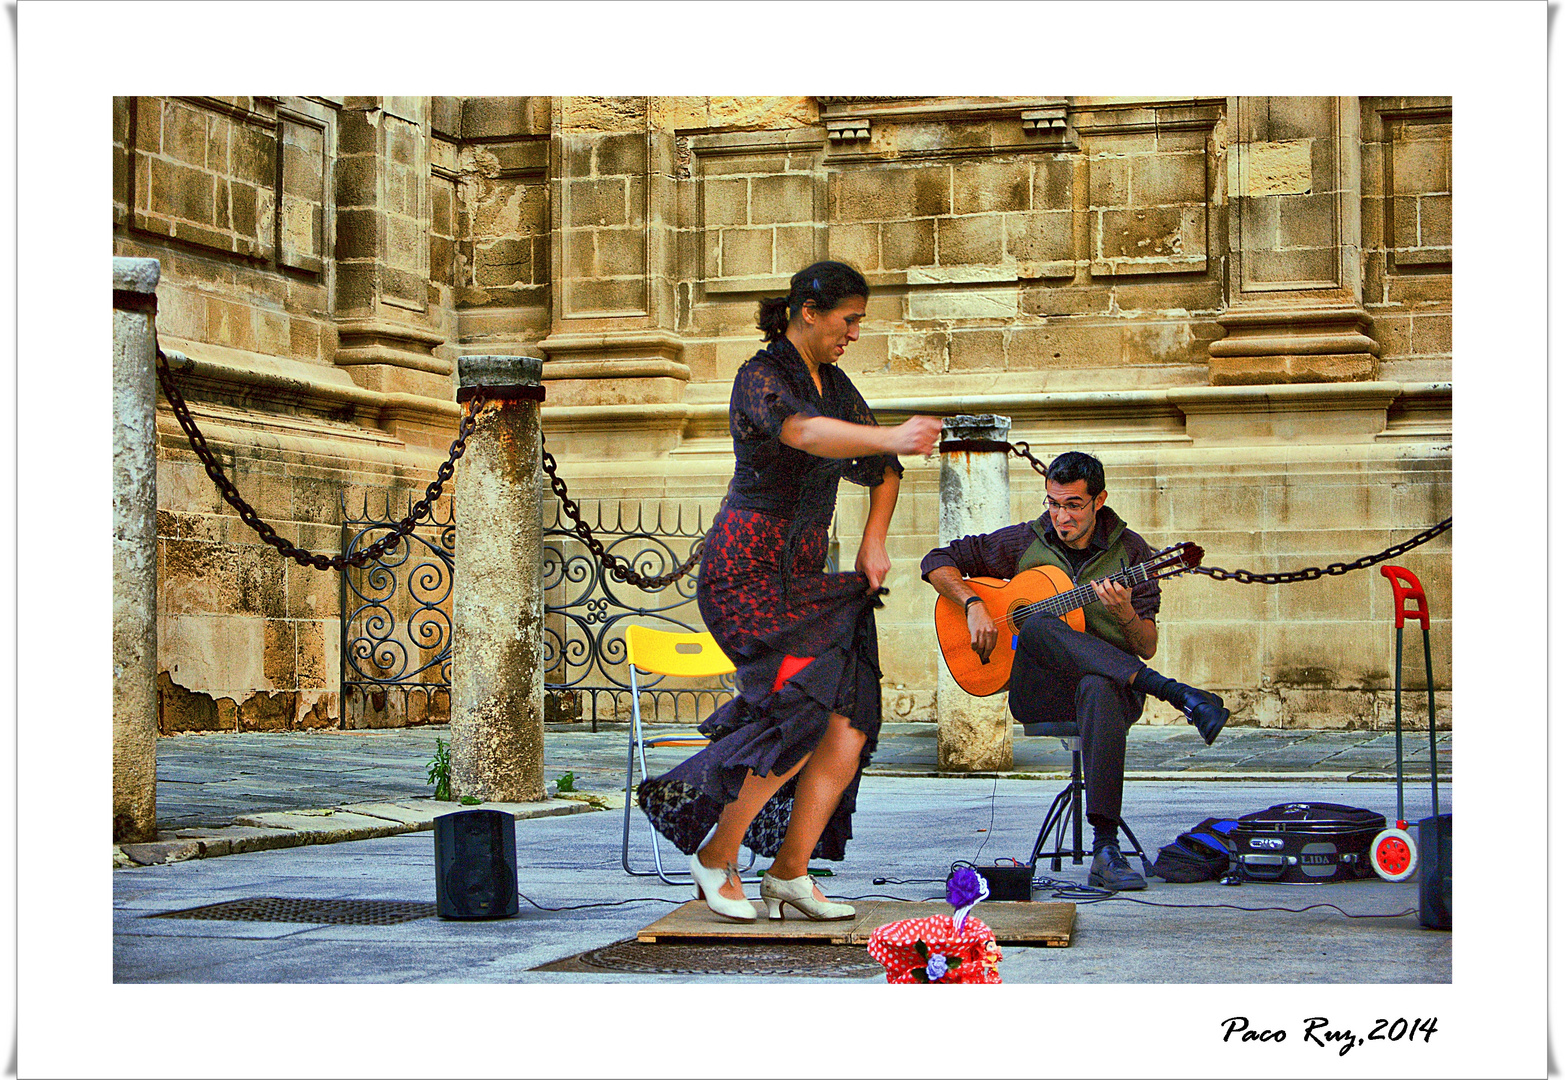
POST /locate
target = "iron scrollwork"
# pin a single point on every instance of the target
(585, 609)
(396, 612)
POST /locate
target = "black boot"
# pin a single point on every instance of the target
(1201, 708)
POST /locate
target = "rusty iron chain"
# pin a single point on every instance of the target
(1248, 577)
(268, 534)
(613, 565)
(616, 567)
(1312, 573)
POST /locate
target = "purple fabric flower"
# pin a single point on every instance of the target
(965, 887)
(935, 967)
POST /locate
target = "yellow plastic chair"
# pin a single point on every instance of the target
(662, 652)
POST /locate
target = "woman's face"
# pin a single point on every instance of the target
(830, 333)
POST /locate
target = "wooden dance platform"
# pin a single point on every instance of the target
(1018, 923)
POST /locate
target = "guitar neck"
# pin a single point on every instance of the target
(1062, 603)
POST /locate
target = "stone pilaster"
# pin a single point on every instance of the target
(135, 550)
(1295, 311)
(975, 497)
(386, 336)
(612, 188)
(497, 603)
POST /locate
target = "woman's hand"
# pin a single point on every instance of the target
(873, 562)
(916, 435)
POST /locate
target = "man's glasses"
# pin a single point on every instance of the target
(1075, 506)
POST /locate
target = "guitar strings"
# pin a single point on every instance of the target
(1061, 603)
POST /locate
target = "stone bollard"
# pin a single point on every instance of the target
(975, 497)
(497, 603)
(135, 550)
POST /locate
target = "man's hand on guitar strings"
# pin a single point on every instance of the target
(1115, 597)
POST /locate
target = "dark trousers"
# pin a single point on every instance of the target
(1062, 675)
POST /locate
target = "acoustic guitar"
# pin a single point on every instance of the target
(1042, 590)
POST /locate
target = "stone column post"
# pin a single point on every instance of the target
(497, 604)
(135, 550)
(975, 497)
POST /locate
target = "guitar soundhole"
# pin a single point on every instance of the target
(1016, 605)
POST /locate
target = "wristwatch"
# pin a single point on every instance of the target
(967, 605)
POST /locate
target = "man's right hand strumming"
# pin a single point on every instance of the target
(982, 629)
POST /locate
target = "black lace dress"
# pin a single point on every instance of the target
(803, 640)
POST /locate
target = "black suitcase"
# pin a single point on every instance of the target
(1306, 842)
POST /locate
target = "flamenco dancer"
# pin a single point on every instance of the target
(782, 771)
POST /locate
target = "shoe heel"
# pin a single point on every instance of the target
(773, 908)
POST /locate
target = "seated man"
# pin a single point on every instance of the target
(1059, 674)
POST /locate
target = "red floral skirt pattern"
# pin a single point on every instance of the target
(772, 723)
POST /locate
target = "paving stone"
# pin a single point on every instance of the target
(159, 852)
(323, 826)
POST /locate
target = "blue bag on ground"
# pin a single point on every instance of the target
(1202, 854)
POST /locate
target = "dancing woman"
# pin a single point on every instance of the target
(781, 774)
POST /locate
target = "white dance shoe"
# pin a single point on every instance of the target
(800, 892)
(708, 881)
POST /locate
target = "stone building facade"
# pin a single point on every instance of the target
(1242, 305)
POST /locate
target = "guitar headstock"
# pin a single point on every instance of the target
(1175, 559)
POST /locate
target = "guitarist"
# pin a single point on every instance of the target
(1097, 678)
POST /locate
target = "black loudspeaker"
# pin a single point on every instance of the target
(1007, 882)
(475, 865)
(1434, 872)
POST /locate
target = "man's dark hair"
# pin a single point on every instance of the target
(1073, 465)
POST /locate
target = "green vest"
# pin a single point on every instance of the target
(1043, 551)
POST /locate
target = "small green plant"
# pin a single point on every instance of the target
(440, 771)
(566, 782)
(471, 800)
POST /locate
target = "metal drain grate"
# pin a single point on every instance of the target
(303, 910)
(814, 959)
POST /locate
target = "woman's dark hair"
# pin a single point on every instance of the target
(826, 283)
(1072, 466)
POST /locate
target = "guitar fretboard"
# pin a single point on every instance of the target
(1061, 603)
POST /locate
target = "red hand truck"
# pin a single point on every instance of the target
(1394, 853)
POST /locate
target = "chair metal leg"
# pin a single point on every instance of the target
(1068, 804)
(1135, 847)
(630, 760)
(1066, 808)
(636, 753)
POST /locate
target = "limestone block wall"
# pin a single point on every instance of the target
(316, 367)
(1242, 304)
(1071, 265)
(1407, 233)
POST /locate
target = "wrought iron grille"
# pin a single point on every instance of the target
(396, 614)
(396, 617)
(585, 610)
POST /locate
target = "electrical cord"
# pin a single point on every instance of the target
(993, 792)
(1092, 894)
(604, 903)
